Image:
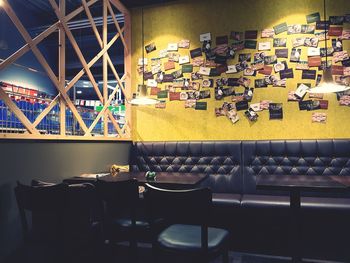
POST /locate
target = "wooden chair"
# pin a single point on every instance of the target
(187, 234)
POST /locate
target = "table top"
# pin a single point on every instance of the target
(162, 178)
(301, 183)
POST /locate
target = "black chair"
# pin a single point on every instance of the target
(120, 223)
(61, 226)
(41, 213)
(186, 215)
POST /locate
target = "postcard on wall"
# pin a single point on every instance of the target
(267, 70)
(264, 46)
(319, 117)
(344, 100)
(151, 47)
(160, 105)
(168, 78)
(204, 71)
(346, 63)
(335, 31)
(276, 111)
(208, 83)
(255, 107)
(163, 94)
(238, 45)
(345, 34)
(311, 42)
(169, 65)
(301, 65)
(270, 59)
(301, 90)
(173, 56)
(283, 27)
(174, 96)
(281, 53)
(346, 71)
(251, 34)
(280, 66)
(312, 18)
(308, 29)
(313, 51)
(314, 61)
(316, 95)
(235, 35)
(188, 68)
(200, 105)
(337, 70)
(152, 83)
(245, 57)
(242, 105)
(184, 60)
(260, 83)
(297, 42)
(147, 75)
(318, 79)
(250, 44)
(196, 76)
(337, 44)
(220, 40)
(214, 72)
(196, 52)
(177, 74)
(292, 96)
(287, 74)
(257, 65)
(184, 43)
(308, 74)
(156, 68)
(336, 20)
(347, 18)
(329, 52)
(232, 82)
(172, 47)
(279, 42)
(154, 91)
(204, 37)
(322, 35)
(249, 72)
(280, 83)
(294, 29)
(322, 25)
(198, 62)
(267, 33)
(231, 69)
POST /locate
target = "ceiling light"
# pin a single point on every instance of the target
(79, 92)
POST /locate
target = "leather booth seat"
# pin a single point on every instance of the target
(234, 166)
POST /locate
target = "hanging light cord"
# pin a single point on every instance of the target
(143, 46)
(325, 31)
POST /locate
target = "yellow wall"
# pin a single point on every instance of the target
(186, 20)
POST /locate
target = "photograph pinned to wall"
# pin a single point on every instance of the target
(195, 85)
(220, 40)
(302, 89)
(264, 104)
(186, 84)
(170, 87)
(263, 46)
(173, 56)
(206, 47)
(346, 71)
(237, 97)
(208, 83)
(231, 69)
(152, 83)
(161, 104)
(251, 115)
(319, 117)
(257, 65)
(279, 83)
(298, 42)
(251, 34)
(163, 53)
(322, 25)
(282, 52)
(168, 78)
(243, 81)
(267, 70)
(268, 33)
(337, 45)
(345, 34)
(268, 60)
(255, 107)
(323, 64)
(232, 82)
(308, 29)
(248, 94)
(142, 61)
(151, 47)
(204, 94)
(237, 45)
(163, 94)
(204, 71)
(280, 66)
(198, 62)
(147, 75)
(337, 70)
(249, 72)
(169, 65)
(183, 96)
(190, 103)
(347, 18)
(318, 79)
(294, 29)
(279, 42)
(346, 63)
(336, 20)
(196, 52)
(295, 55)
(174, 96)
(322, 35)
(344, 100)
(311, 42)
(250, 44)
(329, 52)
(280, 28)
(235, 35)
(308, 74)
(314, 61)
(260, 83)
(172, 47)
(196, 76)
(184, 60)
(312, 18)
(201, 105)
(316, 95)
(342, 80)
(287, 73)
(259, 56)
(335, 31)
(221, 82)
(276, 111)
(242, 105)
(292, 96)
(177, 74)
(232, 115)
(245, 57)
(204, 37)
(301, 65)
(184, 43)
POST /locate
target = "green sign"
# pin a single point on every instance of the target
(113, 109)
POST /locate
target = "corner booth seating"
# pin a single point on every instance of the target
(259, 220)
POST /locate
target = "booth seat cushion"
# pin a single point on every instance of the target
(264, 201)
(293, 157)
(221, 160)
(226, 200)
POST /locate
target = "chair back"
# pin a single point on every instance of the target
(180, 206)
(46, 204)
(120, 198)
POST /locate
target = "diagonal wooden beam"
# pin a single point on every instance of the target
(110, 9)
(120, 6)
(105, 66)
(19, 114)
(20, 52)
(62, 68)
(8, 9)
(98, 37)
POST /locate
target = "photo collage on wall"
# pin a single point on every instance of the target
(222, 68)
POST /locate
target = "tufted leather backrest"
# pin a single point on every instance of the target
(220, 159)
(295, 157)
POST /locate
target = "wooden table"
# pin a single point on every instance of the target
(295, 184)
(163, 179)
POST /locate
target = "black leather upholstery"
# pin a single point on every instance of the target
(173, 238)
(221, 160)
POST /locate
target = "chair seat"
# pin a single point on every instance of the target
(187, 238)
(265, 201)
(226, 200)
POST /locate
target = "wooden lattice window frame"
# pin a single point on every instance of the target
(123, 34)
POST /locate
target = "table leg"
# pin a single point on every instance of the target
(296, 233)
